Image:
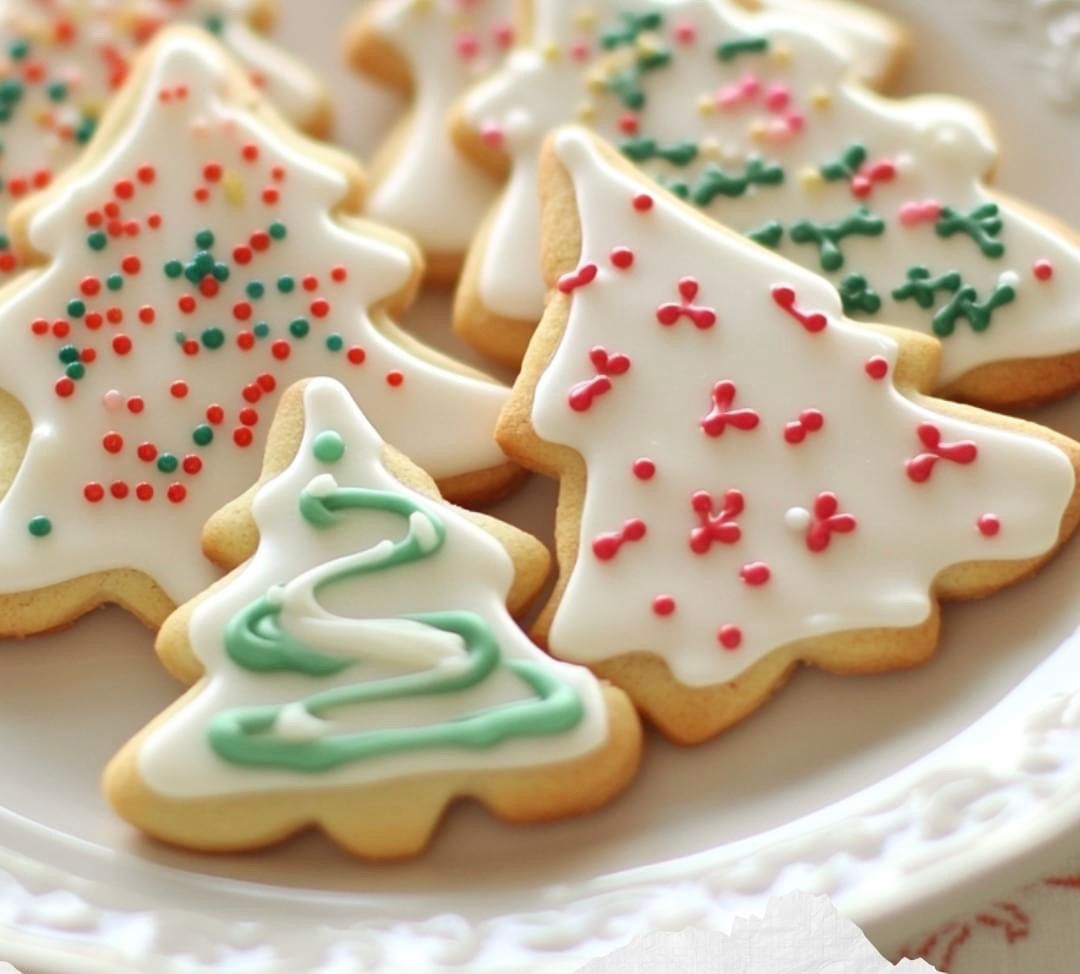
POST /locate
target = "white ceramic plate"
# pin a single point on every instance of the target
(904, 797)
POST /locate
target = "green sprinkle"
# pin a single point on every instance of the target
(167, 463)
(730, 50)
(69, 354)
(18, 49)
(299, 328)
(858, 296)
(97, 240)
(277, 230)
(203, 435)
(173, 268)
(40, 526)
(85, 130)
(76, 308)
(983, 224)
(180, 337)
(329, 447)
(827, 237)
(221, 272)
(213, 338)
(214, 24)
(769, 234)
(261, 329)
(285, 284)
(256, 289)
(204, 239)
(57, 91)
(335, 343)
(75, 371)
(114, 282)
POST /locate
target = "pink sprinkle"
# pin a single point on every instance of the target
(579, 51)
(113, 400)
(503, 35)
(468, 46)
(913, 213)
(1043, 270)
(491, 134)
(685, 32)
(989, 525)
(777, 98)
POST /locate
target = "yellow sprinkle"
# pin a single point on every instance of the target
(585, 19)
(43, 117)
(706, 105)
(811, 179)
(781, 54)
(550, 52)
(596, 80)
(92, 109)
(421, 6)
(711, 149)
(648, 44)
(586, 111)
(821, 98)
(234, 188)
(757, 130)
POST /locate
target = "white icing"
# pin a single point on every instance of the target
(431, 191)
(294, 723)
(323, 485)
(472, 572)
(943, 149)
(65, 451)
(30, 142)
(879, 575)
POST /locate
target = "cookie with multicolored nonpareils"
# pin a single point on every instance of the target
(200, 258)
(749, 479)
(62, 61)
(757, 121)
(362, 671)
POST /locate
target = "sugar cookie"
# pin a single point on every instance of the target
(749, 480)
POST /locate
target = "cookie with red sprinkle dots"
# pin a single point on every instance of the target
(362, 670)
(62, 61)
(757, 119)
(200, 258)
(749, 479)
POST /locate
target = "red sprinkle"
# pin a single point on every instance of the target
(644, 469)
(730, 637)
(877, 368)
(663, 605)
(989, 525)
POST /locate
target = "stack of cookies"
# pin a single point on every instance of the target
(758, 312)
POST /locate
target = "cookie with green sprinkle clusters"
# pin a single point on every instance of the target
(199, 259)
(758, 120)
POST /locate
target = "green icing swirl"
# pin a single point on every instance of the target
(256, 641)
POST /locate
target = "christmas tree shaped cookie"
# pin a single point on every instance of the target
(503, 120)
(61, 61)
(198, 260)
(749, 479)
(755, 119)
(422, 183)
(362, 670)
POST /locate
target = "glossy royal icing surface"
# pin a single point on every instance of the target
(61, 61)
(754, 477)
(363, 555)
(431, 191)
(751, 117)
(196, 270)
